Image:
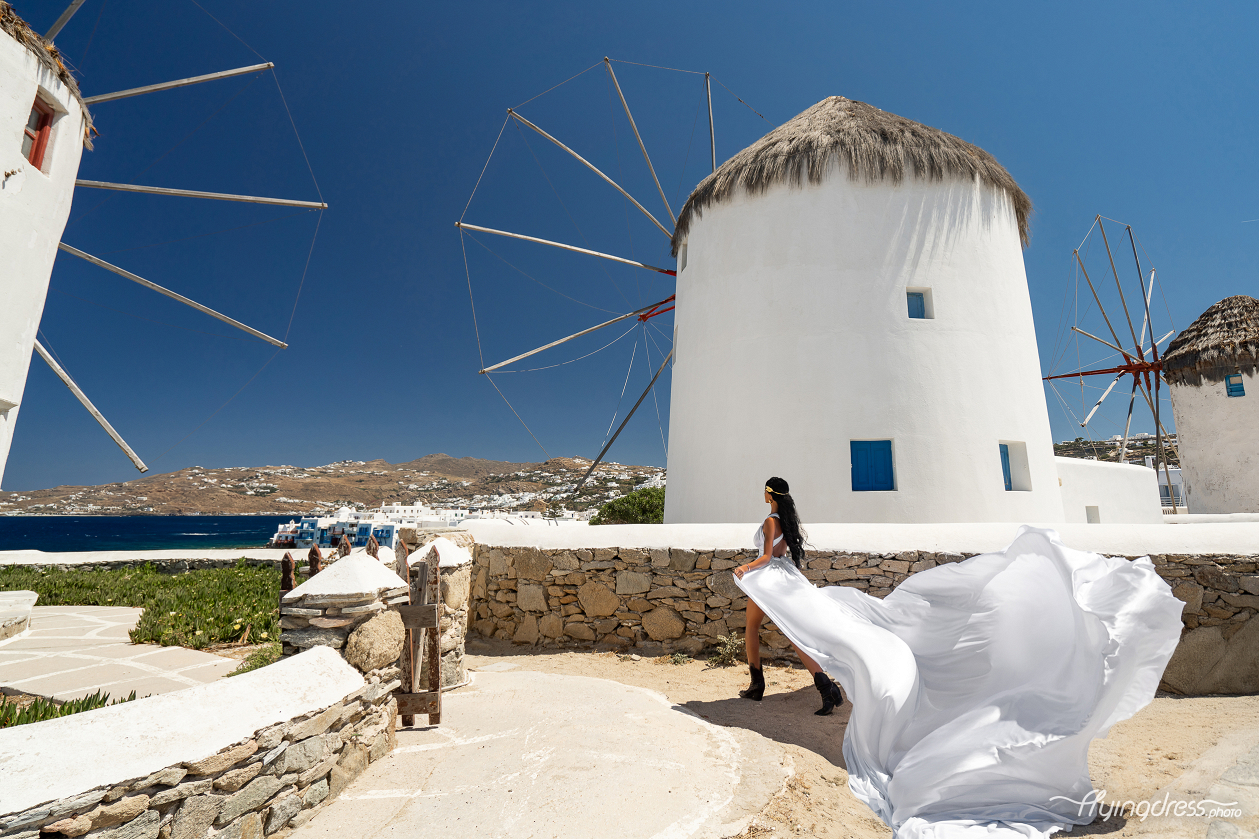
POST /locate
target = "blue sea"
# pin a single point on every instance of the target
(113, 533)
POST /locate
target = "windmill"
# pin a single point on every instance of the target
(1138, 350)
(54, 115)
(640, 315)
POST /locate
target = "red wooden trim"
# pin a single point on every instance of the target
(42, 133)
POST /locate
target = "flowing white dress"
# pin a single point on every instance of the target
(977, 686)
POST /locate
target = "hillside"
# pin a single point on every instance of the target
(436, 479)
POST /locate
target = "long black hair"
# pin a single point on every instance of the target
(788, 517)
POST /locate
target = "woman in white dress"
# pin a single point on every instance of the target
(977, 686)
(785, 537)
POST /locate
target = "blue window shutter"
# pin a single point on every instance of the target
(860, 450)
(917, 304)
(1005, 467)
(1234, 386)
(881, 465)
(872, 466)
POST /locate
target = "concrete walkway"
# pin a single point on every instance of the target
(72, 651)
(527, 754)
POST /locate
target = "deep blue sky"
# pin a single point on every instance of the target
(1144, 112)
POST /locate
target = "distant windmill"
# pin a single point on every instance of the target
(43, 105)
(1140, 352)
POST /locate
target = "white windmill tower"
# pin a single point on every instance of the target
(44, 126)
(853, 315)
(1212, 369)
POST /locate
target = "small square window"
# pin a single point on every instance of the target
(920, 303)
(36, 132)
(1233, 386)
(872, 469)
(682, 258)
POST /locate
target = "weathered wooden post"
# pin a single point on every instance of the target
(373, 547)
(343, 546)
(314, 560)
(422, 622)
(287, 583)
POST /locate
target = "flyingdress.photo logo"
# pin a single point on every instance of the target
(1095, 804)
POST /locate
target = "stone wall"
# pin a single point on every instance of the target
(685, 599)
(331, 620)
(263, 785)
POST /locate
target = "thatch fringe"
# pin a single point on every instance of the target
(1222, 342)
(872, 144)
(48, 55)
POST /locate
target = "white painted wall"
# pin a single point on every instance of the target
(34, 206)
(793, 338)
(1122, 494)
(1219, 446)
(1226, 538)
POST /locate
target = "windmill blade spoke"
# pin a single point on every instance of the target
(465, 226)
(575, 335)
(1119, 287)
(592, 168)
(1132, 400)
(91, 409)
(1096, 299)
(122, 272)
(154, 88)
(63, 20)
(621, 427)
(608, 64)
(1095, 338)
(1100, 401)
(192, 193)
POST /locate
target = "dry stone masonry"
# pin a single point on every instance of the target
(684, 599)
(346, 607)
(264, 785)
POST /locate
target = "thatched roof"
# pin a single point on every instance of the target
(48, 55)
(1223, 341)
(870, 143)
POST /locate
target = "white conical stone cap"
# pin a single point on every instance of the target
(449, 555)
(355, 574)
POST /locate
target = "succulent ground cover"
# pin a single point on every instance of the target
(194, 609)
(20, 710)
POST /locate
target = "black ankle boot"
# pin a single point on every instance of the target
(832, 698)
(756, 690)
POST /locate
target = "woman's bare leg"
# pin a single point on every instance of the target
(809, 664)
(752, 635)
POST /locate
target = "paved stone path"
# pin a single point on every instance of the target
(71, 651)
(527, 754)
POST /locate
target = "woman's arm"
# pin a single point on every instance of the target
(770, 530)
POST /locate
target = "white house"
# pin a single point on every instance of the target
(1213, 370)
(43, 129)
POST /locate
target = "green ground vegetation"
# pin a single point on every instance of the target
(269, 654)
(13, 712)
(194, 609)
(729, 651)
(645, 506)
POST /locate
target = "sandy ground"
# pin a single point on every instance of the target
(1142, 756)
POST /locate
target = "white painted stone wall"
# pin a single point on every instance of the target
(1122, 494)
(251, 755)
(34, 206)
(793, 338)
(1219, 445)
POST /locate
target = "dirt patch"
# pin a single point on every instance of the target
(1141, 756)
(240, 652)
